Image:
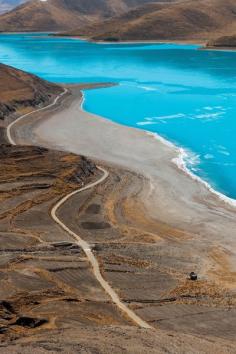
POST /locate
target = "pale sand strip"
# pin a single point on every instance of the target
(171, 196)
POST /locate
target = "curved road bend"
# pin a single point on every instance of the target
(92, 259)
(79, 241)
(9, 127)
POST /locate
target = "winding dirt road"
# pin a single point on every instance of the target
(9, 127)
(80, 242)
(92, 259)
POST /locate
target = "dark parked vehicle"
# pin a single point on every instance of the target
(193, 276)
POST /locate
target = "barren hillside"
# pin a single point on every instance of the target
(19, 90)
(59, 15)
(184, 20)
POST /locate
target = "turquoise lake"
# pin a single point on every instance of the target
(184, 94)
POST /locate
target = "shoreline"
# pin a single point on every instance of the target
(201, 43)
(179, 161)
(138, 41)
(168, 196)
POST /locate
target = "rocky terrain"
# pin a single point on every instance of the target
(59, 15)
(191, 20)
(47, 283)
(20, 92)
(223, 42)
(50, 299)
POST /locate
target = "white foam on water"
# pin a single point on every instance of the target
(172, 116)
(224, 152)
(208, 156)
(209, 116)
(181, 161)
(146, 123)
(147, 88)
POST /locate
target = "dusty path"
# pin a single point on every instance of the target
(92, 259)
(80, 242)
(9, 127)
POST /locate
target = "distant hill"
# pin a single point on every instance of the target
(19, 90)
(7, 5)
(62, 15)
(199, 20)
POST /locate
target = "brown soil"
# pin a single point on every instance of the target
(20, 91)
(40, 274)
(148, 262)
(48, 289)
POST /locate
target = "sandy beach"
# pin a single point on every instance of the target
(169, 196)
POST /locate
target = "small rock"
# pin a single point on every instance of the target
(29, 322)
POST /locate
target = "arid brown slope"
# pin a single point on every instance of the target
(49, 296)
(20, 90)
(59, 15)
(46, 282)
(185, 20)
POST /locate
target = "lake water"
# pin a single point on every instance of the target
(178, 91)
